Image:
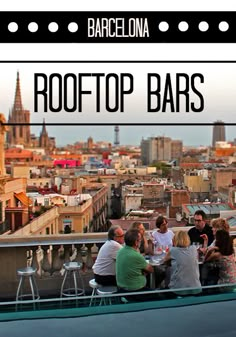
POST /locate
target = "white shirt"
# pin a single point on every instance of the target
(163, 239)
(105, 263)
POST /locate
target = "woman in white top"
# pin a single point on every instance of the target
(162, 236)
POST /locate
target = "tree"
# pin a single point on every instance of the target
(164, 168)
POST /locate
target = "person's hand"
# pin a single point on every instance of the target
(204, 236)
(205, 239)
(202, 250)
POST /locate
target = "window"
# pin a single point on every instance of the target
(46, 202)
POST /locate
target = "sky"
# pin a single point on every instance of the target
(217, 89)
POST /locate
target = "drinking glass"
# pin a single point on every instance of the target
(158, 250)
(164, 249)
(196, 244)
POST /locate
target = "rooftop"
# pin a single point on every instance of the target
(208, 208)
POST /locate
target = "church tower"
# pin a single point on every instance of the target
(19, 131)
(43, 137)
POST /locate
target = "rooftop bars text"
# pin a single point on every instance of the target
(70, 92)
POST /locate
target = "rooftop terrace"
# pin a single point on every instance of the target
(208, 314)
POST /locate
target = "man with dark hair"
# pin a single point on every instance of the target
(131, 266)
(196, 233)
(104, 267)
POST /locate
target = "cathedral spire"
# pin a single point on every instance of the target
(17, 102)
(44, 131)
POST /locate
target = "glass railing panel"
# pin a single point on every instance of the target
(115, 303)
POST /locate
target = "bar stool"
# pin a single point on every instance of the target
(94, 285)
(105, 291)
(27, 273)
(69, 285)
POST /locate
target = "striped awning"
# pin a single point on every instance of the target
(22, 197)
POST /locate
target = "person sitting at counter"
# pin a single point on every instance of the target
(209, 271)
(184, 270)
(145, 245)
(131, 266)
(162, 236)
(223, 255)
(104, 267)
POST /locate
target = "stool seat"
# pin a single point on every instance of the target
(69, 285)
(106, 290)
(70, 266)
(93, 284)
(27, 273)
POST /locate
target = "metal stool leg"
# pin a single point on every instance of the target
(63, 283)
(27, 274)
(70, 284)
(32, 288)
(19, 288)
(92, 299)
(75, 283)
(35, 287)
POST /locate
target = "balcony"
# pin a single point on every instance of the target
(76, 209)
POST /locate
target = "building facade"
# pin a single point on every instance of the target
(160, 148)
(218, 132)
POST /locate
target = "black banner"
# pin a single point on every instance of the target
(117, 27)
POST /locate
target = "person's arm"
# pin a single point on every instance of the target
(212, 254)
(144, 265)
(146, 250)
(154, 239)
(205, 240)
(115, 250)
(167, 257)
(149, 269)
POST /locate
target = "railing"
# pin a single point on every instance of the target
(39, 223)
(134, 302)
(76, 209)
(48, 254)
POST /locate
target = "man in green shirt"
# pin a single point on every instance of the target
(131, 266)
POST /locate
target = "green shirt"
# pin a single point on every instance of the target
(129, 269)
